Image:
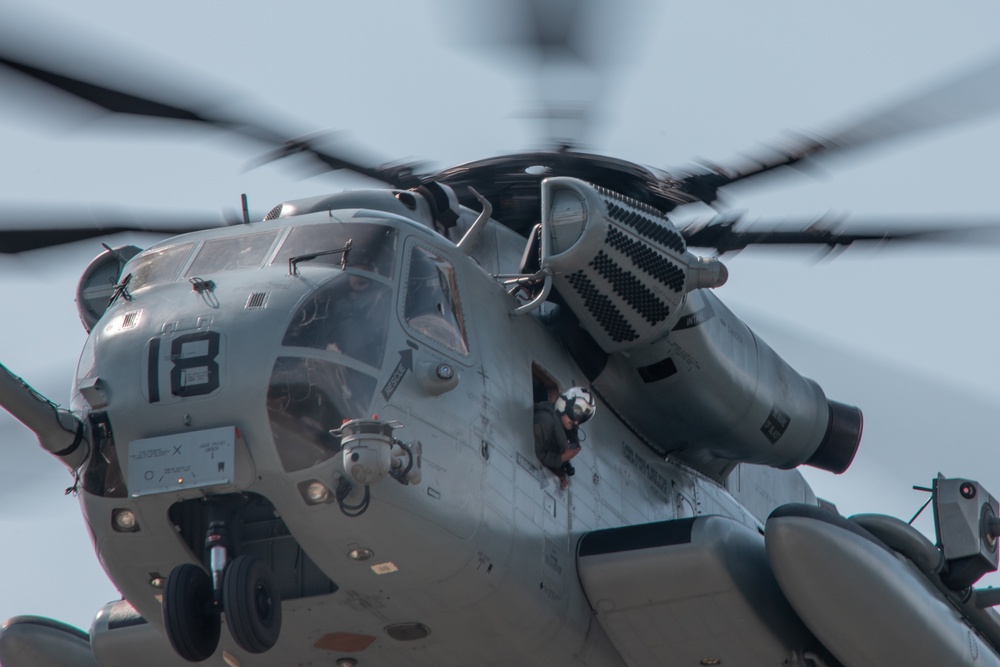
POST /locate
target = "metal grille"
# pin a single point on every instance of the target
(256, 300)
(648, 259)
(274, 213)
(631, 289)
(602, 308)
(644, 219)
(629, 201)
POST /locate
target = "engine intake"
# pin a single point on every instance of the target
(620, 265)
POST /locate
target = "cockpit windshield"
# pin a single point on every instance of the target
(232, 253)
(349, 315)
(373, 246)
(307, 398)
(331, 352)
(157, 266)
(228, 253)
(335, 340)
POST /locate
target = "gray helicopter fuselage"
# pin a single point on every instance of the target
(233, 351)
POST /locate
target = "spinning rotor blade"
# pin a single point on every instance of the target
(121, 101)
(972, 95)
(34, 230)
(512, 181)
(566, 49)
(722, 235)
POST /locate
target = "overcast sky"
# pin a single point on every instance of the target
(910, 335)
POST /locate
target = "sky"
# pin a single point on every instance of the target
(907, 334)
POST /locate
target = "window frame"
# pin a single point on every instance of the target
(461, 321)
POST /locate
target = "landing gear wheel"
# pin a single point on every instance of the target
(193, 626)
(252, 603)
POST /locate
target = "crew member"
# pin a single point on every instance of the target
(358, 318)
(556, 430)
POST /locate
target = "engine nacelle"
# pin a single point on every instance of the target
(713, 390)
(689, 375)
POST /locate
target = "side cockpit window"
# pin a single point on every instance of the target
(432, 305)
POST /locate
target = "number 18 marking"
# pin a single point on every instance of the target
(194, 370)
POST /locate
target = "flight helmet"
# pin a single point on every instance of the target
(577, 403)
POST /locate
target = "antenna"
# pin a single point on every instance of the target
(924, 506)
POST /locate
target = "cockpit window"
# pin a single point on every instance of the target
(157, 266)
(307, 398)
(232, 253)
(349, 315)
(372, 245)
(432, 305)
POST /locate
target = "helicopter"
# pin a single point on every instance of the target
(603, 411)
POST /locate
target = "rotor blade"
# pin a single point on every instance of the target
(118, 100)
(32, 229)
(721, 233)
(115, 101)
(565, 49)
(403, 175)
(971, 95)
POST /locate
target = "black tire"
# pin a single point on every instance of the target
(193, 626)
(252, 604)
